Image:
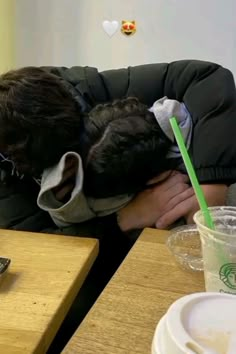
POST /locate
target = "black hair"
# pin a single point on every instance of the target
(39, 119)
(122, 147)
(121, 143)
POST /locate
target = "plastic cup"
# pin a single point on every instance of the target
(185, 245)
(219, 249)
(200, 323)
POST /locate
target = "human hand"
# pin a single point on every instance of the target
(215, 195)
(63, 191)
(165, 192)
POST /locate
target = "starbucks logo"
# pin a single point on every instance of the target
(228, 275)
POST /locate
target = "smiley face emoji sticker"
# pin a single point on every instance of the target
(128, 28)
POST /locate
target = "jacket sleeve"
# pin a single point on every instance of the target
(208, 91)
(18, 208)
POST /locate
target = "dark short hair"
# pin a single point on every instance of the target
(39, 119)
(121, 143)
(123, 146)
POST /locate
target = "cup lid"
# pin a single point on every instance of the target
(201, 323)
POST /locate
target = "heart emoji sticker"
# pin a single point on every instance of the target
(110, 27)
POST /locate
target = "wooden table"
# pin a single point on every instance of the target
(124, 318)
(44, 277)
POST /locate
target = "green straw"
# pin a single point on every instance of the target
(191, 173)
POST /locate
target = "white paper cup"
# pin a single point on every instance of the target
(201, 323)
(219, 249)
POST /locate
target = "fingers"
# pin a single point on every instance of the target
(175, 185)
(186, 193)
(170, 187)
(159, 178)
(63, 193)
(69, 173)
(177, 189)
(182, 205)
(164, 176)
(70, 170)
(70, 162)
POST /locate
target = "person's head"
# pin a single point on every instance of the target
(122, 147)
(39, 119)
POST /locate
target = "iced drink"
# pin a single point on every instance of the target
(219, 249)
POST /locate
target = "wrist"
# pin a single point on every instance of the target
(127, 219)
(123, 220)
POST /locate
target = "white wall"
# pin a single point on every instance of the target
(69, 32)
(46, 32)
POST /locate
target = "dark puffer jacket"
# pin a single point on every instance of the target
(208, 91)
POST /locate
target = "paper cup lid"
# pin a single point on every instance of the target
(158, 343)
(202, 323)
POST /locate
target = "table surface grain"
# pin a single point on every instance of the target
(123, 319)
(44, 276)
